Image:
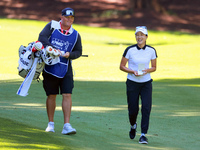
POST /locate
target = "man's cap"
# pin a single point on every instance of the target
(68, 12)
(142, 29)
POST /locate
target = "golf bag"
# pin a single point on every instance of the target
(26, 59)
(32, 60)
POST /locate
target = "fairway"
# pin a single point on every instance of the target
(99, 111)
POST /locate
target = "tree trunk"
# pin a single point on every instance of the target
(156, 5)
(139, 4)
(146, 4)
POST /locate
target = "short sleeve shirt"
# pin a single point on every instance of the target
(138, 57)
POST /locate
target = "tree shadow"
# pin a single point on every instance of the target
(129, 44)
(99, 114)
(20, 136)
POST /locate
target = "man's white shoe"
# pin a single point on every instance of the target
(67, 129)
(50, 127)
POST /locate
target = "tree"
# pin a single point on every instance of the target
(146, 4)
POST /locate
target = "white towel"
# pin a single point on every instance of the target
(49, 59)
(23, 89)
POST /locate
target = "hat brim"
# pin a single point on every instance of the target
(144, 31)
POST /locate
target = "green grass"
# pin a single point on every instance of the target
(99, 110)
(178, 53)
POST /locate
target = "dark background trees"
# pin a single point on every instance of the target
(174, 15)
(147, 4)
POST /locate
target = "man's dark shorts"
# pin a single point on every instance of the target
(53, 85)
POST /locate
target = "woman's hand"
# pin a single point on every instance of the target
(143, 73)
(136, 73)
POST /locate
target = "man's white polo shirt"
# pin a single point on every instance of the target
(139, 57)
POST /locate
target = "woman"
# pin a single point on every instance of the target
(139, 82)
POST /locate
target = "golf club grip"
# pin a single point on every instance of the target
(84, 55)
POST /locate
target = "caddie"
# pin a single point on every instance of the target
(58, 78)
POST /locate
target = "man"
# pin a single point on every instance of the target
(58, 78)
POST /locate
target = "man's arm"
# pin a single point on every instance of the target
(77, 50)
(45, 34)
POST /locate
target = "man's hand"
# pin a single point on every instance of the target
(66, 55)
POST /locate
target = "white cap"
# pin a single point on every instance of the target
(142, 29)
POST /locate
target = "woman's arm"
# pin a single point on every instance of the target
(153, 67)
(124, 68)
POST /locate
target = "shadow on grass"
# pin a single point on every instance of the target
(15, 135)
(99, 114)
(129, 44)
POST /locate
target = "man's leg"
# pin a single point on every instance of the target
(66, 107)
(51, 106)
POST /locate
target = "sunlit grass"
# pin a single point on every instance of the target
(178, 54)
(188, 114)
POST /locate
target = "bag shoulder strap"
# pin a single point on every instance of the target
(54, 25)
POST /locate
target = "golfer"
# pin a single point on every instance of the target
(58, 78)
(139, 82)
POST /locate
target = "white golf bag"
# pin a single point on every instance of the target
(32, 60)
(26, 59)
